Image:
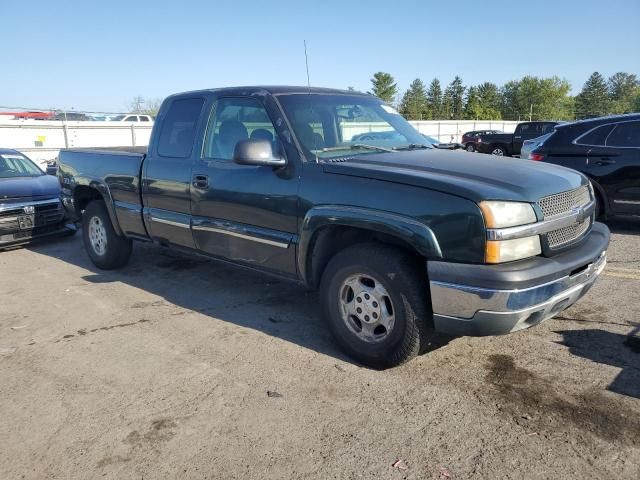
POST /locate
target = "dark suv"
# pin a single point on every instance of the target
(607, 150)
(470, 139)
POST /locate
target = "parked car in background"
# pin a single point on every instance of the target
(607, 150)
(132, 118)
(469, 139)
(30, 204)
(401, 239)
(509, 144)
(38, 115)
(529, 146)
(71, 117)
(435, 143)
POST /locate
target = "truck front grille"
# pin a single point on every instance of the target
(564, 203)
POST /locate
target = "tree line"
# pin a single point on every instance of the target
(530, 97)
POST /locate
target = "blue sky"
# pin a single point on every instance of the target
(98, 55)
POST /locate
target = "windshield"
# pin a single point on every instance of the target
(431, 140)
(16, 165)
(329, 125)
(117, 118)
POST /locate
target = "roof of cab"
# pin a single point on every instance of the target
(271, 89)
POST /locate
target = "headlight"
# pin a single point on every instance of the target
(498, 251)
(507, 214)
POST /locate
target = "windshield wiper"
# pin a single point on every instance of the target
(413, 146)
(358, 146)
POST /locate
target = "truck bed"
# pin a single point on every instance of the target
(115, 173)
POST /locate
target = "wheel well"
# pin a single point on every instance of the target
(82, 195)
(330, 240)
(601, 196)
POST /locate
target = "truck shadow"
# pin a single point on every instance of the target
(611, 349)
(218, 290)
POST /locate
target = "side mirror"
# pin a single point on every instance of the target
(256, 151)
(52, 168)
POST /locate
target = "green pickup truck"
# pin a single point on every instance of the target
(402, 240)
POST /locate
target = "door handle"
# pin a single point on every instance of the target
(518, 136)
(604, 161)
(200, 181)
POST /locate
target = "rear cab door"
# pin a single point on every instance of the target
(166, 175)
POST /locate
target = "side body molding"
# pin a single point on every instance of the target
(417, 234)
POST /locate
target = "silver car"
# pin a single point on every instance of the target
(529, 146)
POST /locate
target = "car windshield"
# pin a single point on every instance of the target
(431, 140)
(330, 125)
(117, 118)
(16, 165)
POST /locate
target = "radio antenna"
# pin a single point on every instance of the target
(306, 62)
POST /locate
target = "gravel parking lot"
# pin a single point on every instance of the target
(181, 367)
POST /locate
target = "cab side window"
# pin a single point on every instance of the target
(178, 130)
(625, 135)
(595, 137)
(233, 120)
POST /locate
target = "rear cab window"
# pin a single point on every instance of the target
(178, 131)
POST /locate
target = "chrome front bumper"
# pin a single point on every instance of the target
(471, 310)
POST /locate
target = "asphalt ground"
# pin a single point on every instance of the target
(182, 367)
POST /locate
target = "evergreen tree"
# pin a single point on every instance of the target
(414, 102)
(490, 100)
(482, 102)
(593, 100)
(434, 99)
(472, 106)
(623, 88)
(384, 86)
(454, 98)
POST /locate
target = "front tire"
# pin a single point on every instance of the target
(470, 147)
(375, 300)
(106, 249)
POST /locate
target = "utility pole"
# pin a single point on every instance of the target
(531, 112)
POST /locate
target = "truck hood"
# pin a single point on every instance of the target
(30, 187)
(473, 176)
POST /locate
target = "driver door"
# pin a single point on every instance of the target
(244, 213)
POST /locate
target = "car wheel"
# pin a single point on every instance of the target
(498, 150)
(470, 147)
(106, 249)
(375, 300)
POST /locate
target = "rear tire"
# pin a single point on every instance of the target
(106, 249)
(498, 150)
(375, 300)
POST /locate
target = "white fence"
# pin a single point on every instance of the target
(42, 140)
